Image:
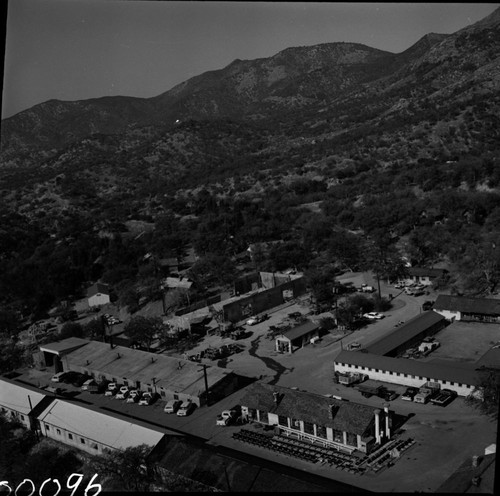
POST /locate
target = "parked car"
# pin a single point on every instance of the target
(373, 315)
(427, 305)
(388, 394)
(134, 396)
(58, 377)
(172, 406)
(87, 384)
(409, 394)
(122, 393)
(147, 399)
(112, 389)
(186, 408)
(354, 346)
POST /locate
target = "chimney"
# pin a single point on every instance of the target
(475, 460)
(118, 355)
(387, 428)
(377, 426)
(275, 397)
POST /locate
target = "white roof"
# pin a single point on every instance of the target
(100, 427)
(16, 398)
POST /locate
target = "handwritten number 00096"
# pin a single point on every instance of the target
(97, 487)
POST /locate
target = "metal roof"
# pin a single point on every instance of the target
(309, 407)
(64, 346)
(137, 365)
(405, 333)
(463, 374)
(100, 427)
(301, 330)
(17, 397)
(467, 304)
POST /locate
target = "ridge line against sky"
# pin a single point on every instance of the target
(80, 49)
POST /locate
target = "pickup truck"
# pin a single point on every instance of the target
(424, 395)
(352, 378)
(370, 388)
(444, 397)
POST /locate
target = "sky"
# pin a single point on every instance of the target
(80, 49)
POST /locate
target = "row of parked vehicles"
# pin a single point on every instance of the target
(429, 393)
(216, 353)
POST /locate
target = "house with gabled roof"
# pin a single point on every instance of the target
(468, 309)
(98, 294)
(342, 425)
(424, 275)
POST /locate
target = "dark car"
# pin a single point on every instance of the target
(409, 394)
(388, 394)
(75, 378)
(427, 305)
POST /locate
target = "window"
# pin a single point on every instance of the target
(338, 436)
(82, 440)
(47, 428)
(452, 383)
(352, 440)
(22, 417)
(321, 431)
(295, 424)
(70, 436)
(398, 374)
(58, 431)
(390, 373)
(308, 428)
(264, 416)
(282, 420)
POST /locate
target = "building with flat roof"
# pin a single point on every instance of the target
(343, 425)
(90, 430)
(21, 402)
(468, 309)
(50, 354)
(297, 337)
(460, 377)
(171, 378)
(409, 334)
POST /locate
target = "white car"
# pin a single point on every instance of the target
(146, 399)
(112, 389)
(186, 408)
(134, 396)
(122, 393)
(373, 316)
(172, 406)
(58, 377)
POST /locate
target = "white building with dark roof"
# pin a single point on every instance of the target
(92, 431)
(21, 403)
(343, 425)
(98, 294)
(468, 309)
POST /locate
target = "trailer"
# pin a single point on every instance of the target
(370, 388)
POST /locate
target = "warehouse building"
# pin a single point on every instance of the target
(86, 428)
(460, 378)
(343, 425)
(171, 378)
(468, 309)
(412, 333)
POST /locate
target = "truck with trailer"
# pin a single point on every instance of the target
(370, 388)
(348, 379)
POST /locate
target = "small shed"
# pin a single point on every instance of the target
(298, 337)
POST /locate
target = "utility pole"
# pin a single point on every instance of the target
(206, 382)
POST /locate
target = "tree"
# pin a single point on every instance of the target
(127, 470)
(486, 395)
(71, 329)
(144, 329)
(322, 286)
(94, 329)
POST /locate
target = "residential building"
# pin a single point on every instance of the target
(423, 275)
(468, 308)
(98, 294)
